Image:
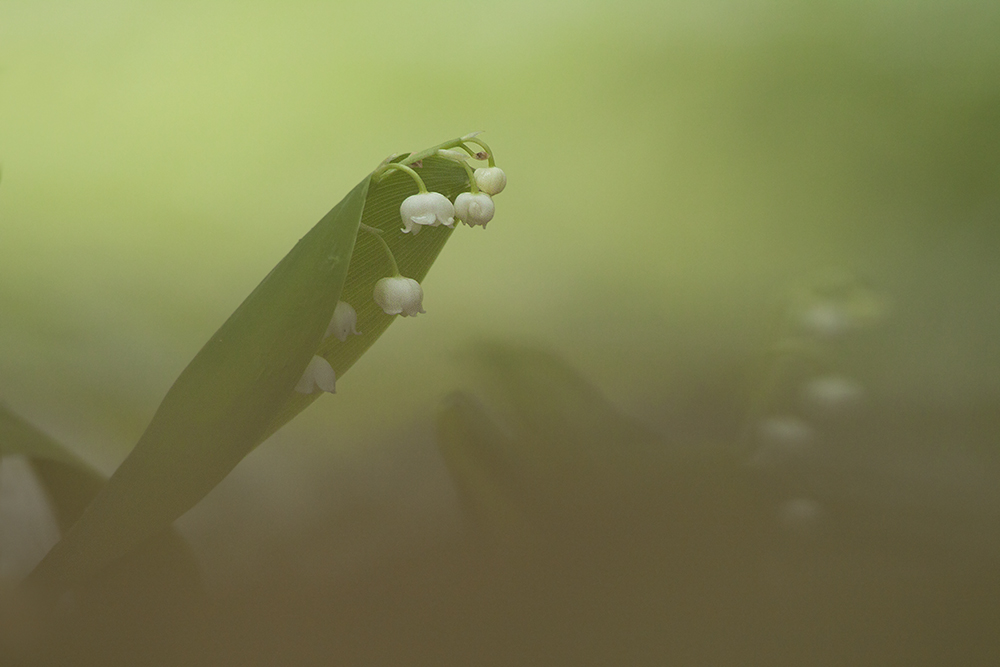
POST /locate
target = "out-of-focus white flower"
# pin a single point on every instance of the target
(399, 296)
(831, 395)
(490, 180)
(825, 319)
(474, 209)
(800, 514)
(839, 304)
(318, 374)
(429, 209)
(786, 431)
(344, 322)
(783, 442)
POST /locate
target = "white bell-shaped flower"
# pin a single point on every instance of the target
(490, 180)
(399, 296)
(344, 322)
(427, 208)
(474, 209)
(318, 374)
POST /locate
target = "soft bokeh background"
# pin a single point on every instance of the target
(674, 169)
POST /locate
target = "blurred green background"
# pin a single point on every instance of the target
(674, 167)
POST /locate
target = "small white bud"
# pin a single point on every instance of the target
(825, 319)
(831, 395)
(344, 322)
(784, 441)
(474, 209)
(399, 296)
(786, 431)
(318, 374)
(427, 208)
(490, 180)
(800, 514)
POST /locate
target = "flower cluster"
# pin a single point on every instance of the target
(432, 209)
(804, 401)
(396, 294)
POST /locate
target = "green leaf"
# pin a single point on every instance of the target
(239, 388)
(152, 593)
(554, 443)
(554, 454)
(560, 421)
(482, 460)
(71, 484)
(68, 481)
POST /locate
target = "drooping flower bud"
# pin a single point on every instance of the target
(831, 396)
(800, 515)
(474, 209)
(490, 180)
(344, 322)
(826, 320)
(784, 441)
(427, 208)
(399, 296)
(318, 374)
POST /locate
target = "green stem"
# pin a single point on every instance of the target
(381, 171)
(472, 178)
(489, 153)
(468, 170)
(377, 233)
(403, 165)
(451, 143)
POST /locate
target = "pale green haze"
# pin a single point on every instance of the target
(567, 460)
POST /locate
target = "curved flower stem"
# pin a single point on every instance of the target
(452, 143)
(472, 177)
(403, 164)
(380, 173)
(377, 233)
(473, 188)
(489, 153)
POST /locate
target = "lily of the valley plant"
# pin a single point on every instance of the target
(396, 294)
(284, 345)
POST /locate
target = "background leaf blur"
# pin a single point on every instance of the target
(152, 151)
(137, 594)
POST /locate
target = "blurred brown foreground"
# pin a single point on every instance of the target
(571, 535)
